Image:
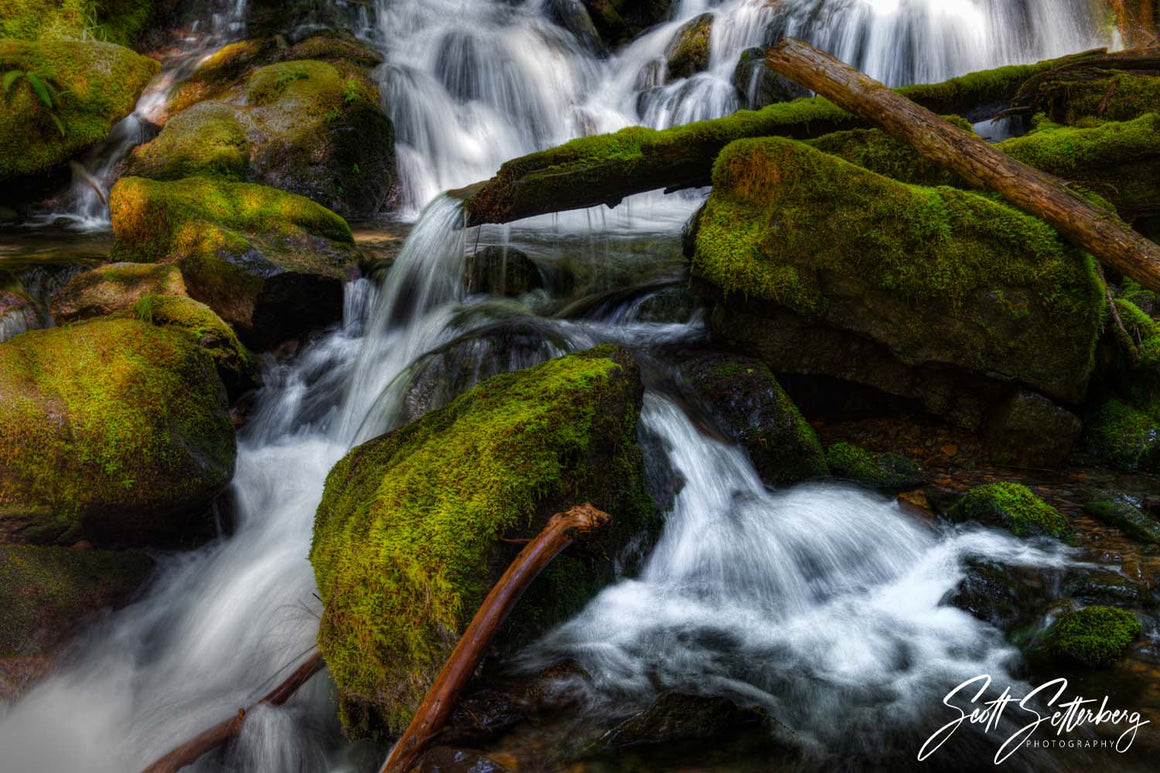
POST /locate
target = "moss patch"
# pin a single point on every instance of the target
(207, 140)
(689, 52)
(1121, 436)
(883, 471)
(1093, 636)
(1011, 506)
(113, 21)
(96, 84)
(113, 430)
(407, 537)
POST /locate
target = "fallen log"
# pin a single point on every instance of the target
(605, 168)
(1097, 230)
(561, 530)
(227, 730)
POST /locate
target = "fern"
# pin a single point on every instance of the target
(42, 88)
(11, 77)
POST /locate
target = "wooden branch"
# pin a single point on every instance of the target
(561, 530)
(1098, 231)
(227, 730)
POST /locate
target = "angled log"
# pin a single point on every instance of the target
(1098, 231)
(562, 529)
(227, 730)
(605, 168)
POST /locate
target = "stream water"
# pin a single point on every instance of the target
(819, 603)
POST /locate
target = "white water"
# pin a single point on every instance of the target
(801, 573)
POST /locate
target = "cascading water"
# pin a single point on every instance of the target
(823, 591)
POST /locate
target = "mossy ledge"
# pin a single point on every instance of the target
(113, 431)
(1012, 506)
(407, 539)
(1092, 637)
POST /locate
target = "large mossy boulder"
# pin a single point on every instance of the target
(943, 296)
(305, 118)
(113, 431)
(753, 410)
(270, 263)
(45, 592)
(415, 526)
(84, 87)
(116, 21)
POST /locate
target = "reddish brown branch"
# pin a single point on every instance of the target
(560, 531)
(224, 732)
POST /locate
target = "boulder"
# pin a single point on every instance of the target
(502, 271)
(270, 263)
(416, 525)
(114, 431)
(1014, 507)
(1092, 637)
(619, 21)
(744, 398)
(67, 97)
(688, 53)
(207, 140)
(884, 471)
(113, 287)
(46, 592)
(758, 86)
(1028, 430)
(820, 267)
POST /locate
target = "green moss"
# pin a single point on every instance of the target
(1086, 95)
(689, 52)
(113, 21)
(1011, 506)
(1124, 513)
(112, 287)
(885, 471)
(112, 430)
(207, 140)
(97, 83)
(791, 225)
(45, 591)
(407, 538)
(876, 151)
(1122, 437)
(1093, 636)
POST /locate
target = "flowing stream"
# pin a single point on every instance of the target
(818, 591)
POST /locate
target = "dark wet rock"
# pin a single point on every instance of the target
(1103, 586)
(573, 16)
(1008, 597)
(1014, 507)
(619, 21)
(502, 271)
(447, 759)
(744, 398)
(672, 305)
(1029, 430)
(760, 86)
(885, 471)
(688, 53)
(676, 716)
(1125, 513)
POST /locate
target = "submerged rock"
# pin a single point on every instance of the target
(743, 396)
(823, 268)
(1124, 513)
(415, 526)
(688, 53)
(113, 431)
(679, 717)
(1014, 507)
(884, 471)
(1093, 637)
(89, 86)
(270, 263)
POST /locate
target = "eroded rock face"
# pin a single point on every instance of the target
(114, 431)
(934, 294)
(270, 263)
(407, 539)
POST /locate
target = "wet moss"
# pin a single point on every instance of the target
(407, 538)
(96, 84)
(1093, 636)
(884, 471)
(113, 430)
(207, 140)
(797, 228)
(1014, 507)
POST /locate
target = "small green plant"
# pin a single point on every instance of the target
(42, 88)
(331, 115)
(144, 307)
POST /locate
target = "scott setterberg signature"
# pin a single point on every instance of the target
(1065, 716)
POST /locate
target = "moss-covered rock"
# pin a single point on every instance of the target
(114, 21)
(407, 540)
(1121, 436)
(753, 410)
(1078, 95)
(1124, 512)
(885, 471)
(90, 86)
(1092, 637)
(760, 86)
(113, 431)
(619, 21)
(113, 287)
(688, 53)
(824, 268)
(313, 122)
(207, 140)
(1014, 507)
(270, 263)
